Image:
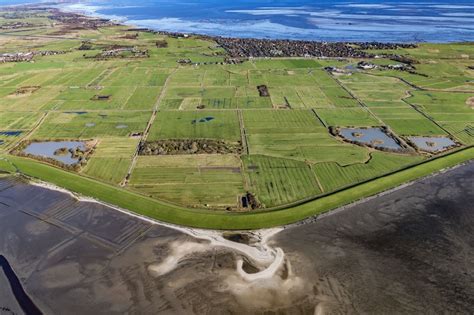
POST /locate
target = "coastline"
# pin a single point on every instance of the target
(340, 252)
(269, 260)
(248, 24)
(261, 254)
(218, 220)
(366, 199)
(264, 233)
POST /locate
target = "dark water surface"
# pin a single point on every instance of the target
(408, 251)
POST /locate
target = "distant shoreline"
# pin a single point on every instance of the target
(269, 27)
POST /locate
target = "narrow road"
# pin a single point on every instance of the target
(29, 133)
(243, 133)
(416, 108)
(362, 104)
(147, 130)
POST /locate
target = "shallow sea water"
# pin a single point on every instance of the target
(335, 20)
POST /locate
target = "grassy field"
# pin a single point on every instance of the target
(194, 125)
(83, 125)
(196, 180)
(288, 154)
(279, 181)
(333, 176)
(111, 159)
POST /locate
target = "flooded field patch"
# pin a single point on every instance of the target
(13, 133)
(78, 113)
(374, 137)
(432, 144)
(202, 120)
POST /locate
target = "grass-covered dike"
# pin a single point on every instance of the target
(161, 211)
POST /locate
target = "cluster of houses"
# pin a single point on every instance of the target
(79, 21)
(132, 52)
(364, 65)
(15, 25)
(27, 56)
(249, 47)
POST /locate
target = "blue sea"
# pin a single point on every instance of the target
(325, 20)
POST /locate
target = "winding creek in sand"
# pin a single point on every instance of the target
(410, 250)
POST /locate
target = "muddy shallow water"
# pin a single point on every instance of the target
(409, 251)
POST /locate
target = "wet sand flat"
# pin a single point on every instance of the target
(409, 251)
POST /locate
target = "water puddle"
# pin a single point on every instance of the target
(202, 120)
(78, 113)
(12, 133)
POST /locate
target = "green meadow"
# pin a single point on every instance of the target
(291, 164)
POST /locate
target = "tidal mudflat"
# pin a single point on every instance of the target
(410, 250)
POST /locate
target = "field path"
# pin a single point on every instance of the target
(362, 104)
(416, 108)
(31, 132)
(243, 133)
(147, 129)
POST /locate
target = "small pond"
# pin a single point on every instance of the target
(14, 133)
(78, 113)
(202, 120)
(48, 148)
(374, 136)
(432, 144)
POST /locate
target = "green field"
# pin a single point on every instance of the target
(288, 154)
(192, 180)
(111, 159)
